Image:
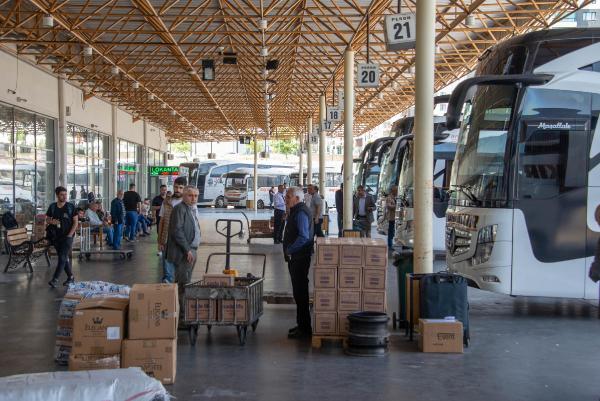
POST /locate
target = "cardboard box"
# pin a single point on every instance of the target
(349, 300)
(325, 300)
(343, 322)
(351, 251)
(158, 358)
(373, 301)
(440, 335)
(325, 277)
(325, 323)
(373, 279)
(98, 326)
(350, 278)
(219, 280)
(240, 314)
(93, 362)
(198, 309)
(328, 252)
(376, 253)
(153, 311)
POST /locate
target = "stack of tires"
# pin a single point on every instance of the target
(368, 334)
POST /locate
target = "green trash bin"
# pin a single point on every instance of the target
(404, 266)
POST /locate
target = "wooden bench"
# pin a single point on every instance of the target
(22, 250)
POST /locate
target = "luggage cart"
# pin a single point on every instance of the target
(85, 246)
(205, 304)
(259, 228)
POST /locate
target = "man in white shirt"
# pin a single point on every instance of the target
(316, 207)
(95, 222)
(279, 215)
(308, 195)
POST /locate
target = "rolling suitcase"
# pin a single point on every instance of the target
(445, 294)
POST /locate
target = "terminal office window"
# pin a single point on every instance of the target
(26, 163)
(87, 164)
(129, 165)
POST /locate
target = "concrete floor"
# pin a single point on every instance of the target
(521, 349)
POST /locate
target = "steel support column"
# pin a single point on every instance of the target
(61, 177)
(309, 127)
(322, 143)
(300, 160)
(348, 135)
(255, 181)
(423, 155)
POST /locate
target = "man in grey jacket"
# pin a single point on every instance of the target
(184, 239)
(363, 208)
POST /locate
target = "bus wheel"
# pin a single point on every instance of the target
(260, 204)
(220, 202)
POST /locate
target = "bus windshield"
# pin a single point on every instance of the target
(389, 173)
(235, 181)
(478, 172)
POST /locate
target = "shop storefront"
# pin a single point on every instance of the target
(87, 164)
(26, 163)
(129, 165)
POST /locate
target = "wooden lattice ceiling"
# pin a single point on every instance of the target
(158, 44)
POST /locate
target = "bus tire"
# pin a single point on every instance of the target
(260, 204)
(220, 202)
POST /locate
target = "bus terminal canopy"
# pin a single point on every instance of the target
(197, 67)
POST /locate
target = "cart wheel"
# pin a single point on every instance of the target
(242, 331)
(254, 325)
(209, 327)
(193, 332)
(80, 257)
(87, 256)
(129, 255)
(122, 256)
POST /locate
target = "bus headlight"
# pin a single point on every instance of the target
(485, 244)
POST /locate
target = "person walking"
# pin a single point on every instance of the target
(163, 230)
(279, 215)
(363, 208)
(390, 213)
(117, 215)
(157, 202)
(297, 251)
(316, 208)
(339, 207)
(184, 239)
(272, 194)
(133, 204)
(62, 221)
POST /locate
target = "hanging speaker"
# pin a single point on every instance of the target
(272, 65)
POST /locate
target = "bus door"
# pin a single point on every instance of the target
(549, 229)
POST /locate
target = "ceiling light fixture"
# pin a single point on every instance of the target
(181, 119)
(135, 85)
(192, 72)
(47, 21)
(263, 24)
(173, 112)
(411, 69)
(264, 51)
(380, 95)
(163, 106)
(114, 70)
(151, 96)
(470, 21)
(88, 51)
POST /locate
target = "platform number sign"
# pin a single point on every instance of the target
(333, 114)
(400, 31)
(368, 75)
(314, 137)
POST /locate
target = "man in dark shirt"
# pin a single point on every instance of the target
(157, 203)
(61, 215)
(339, 206)
(297, 250)
(133, 205)
(117, 214)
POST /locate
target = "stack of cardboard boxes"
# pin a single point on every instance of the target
(221, 310)
(99, 340)
(349, 276)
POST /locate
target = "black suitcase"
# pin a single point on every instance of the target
(445, 294)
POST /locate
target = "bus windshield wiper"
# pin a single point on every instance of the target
(468, 192)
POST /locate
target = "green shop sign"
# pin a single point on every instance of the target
(127, 168)
(163, 170)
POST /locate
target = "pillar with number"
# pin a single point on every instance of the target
(423, 155)
(348, 137)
